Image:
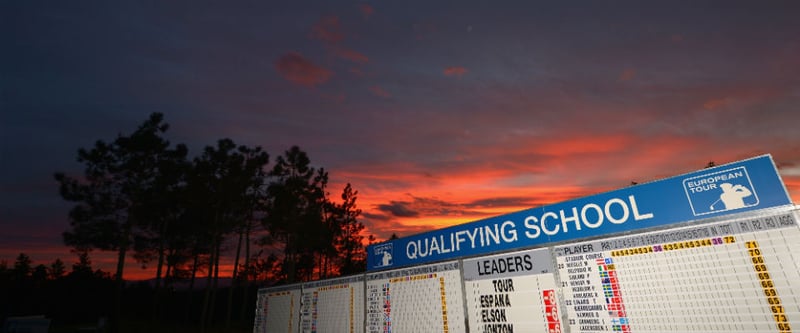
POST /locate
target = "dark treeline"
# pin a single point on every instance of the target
(80, 300)
(145, 199)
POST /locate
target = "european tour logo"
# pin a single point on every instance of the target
(384, 253)
(720, 191)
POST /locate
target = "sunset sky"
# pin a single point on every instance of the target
(437, 112)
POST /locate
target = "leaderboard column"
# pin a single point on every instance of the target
(512, 292)
(278, 309)
(738, 275)
(335, 305)
(261, 312)
(586, 276)
(419, 299)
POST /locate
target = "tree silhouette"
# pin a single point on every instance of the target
(315, 235)
(22, 267)
(349, 241)
(141, 197)
(56, 270)
(84, 264)
(39, 274)
(117, 178)
(251, 178)
(226, 182)
(294, 212)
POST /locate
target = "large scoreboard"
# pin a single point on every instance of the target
(709, 251)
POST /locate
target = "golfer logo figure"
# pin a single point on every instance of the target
(383, 254)
(387, 259)
(732, 196)
(720, 191)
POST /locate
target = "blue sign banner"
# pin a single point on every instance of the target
(737, 187)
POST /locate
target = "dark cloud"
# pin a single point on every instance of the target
(429, 207)
(382, 227)
(402, 230)
(399, 209)
(376, 217)
(503, 202)
(297, 69)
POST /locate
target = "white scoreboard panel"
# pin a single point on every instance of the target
(418, 299)
(512, 292)
(335, 306)
(261, 316)
(738, 275)
(277, 310)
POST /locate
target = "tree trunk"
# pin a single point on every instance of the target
(191, 285)
(289, 258)
(207, 297)
(325, 267)
(170, 264)
(246, 277)
(117, 314)
(214, 289)
(157, 292)
(216, 281)
(234, 279)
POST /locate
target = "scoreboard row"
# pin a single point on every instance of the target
(737, 274)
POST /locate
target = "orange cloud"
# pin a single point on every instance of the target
(584, 144)
(793, 186)
(627, 74)
(367, 10)
(408, 214)
(357, 72)
(715, 104)
(297, 69)
(791, 178)
(336, 98)
(351, 55)
(328, 29)
(465, 192)
(378, 91)
(532, 169)
(409, 197)
(455, 71)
